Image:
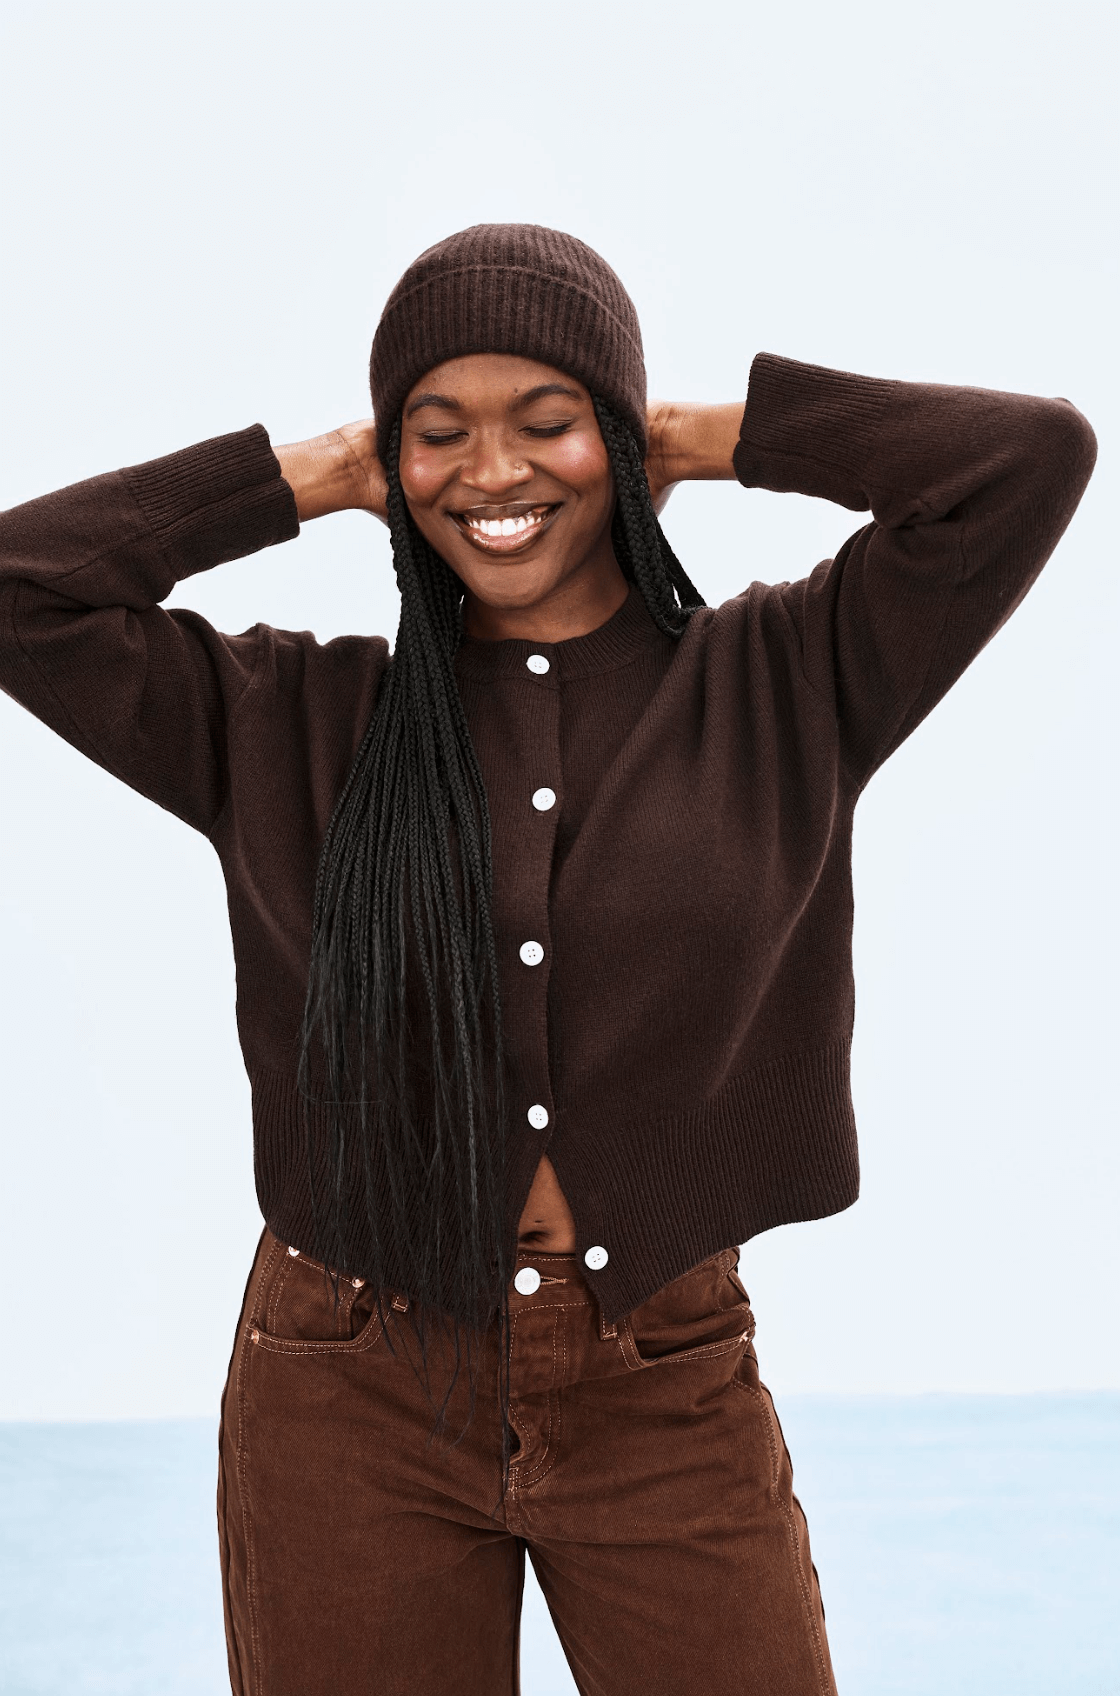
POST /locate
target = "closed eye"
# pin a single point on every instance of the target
(539, 432)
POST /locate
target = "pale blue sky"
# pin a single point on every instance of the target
(204, 207)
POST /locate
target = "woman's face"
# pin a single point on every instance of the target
(506, 475)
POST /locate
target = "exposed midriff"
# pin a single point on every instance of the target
(546, 1222)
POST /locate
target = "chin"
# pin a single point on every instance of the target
(510, 585)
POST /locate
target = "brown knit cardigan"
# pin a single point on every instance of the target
(687, 1032)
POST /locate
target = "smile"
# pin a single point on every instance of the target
(505, 530)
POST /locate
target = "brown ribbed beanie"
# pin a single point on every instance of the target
(510, 288)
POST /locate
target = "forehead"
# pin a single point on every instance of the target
(490, 381)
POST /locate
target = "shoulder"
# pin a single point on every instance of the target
(758, 614)
(747, 650)
(295, 672)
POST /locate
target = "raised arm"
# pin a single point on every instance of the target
(84, 643)
(969, 489)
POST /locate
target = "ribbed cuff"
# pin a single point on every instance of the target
(810, 431)
(217, 500)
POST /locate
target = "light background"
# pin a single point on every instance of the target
(203, 208)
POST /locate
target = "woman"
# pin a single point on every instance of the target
(543, 941)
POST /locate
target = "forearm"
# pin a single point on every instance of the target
(917, 455)
(969, 489)
(125, 538)
(87, 647)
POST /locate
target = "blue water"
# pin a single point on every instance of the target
(966, 1544)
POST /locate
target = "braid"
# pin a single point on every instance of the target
(403, 950)
(641, 546)
(401, 1069)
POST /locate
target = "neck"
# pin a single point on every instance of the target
(574, 607)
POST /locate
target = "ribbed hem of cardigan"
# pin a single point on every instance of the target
(810, 430)
(776, 1145)
(217, 500)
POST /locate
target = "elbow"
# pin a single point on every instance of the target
(1073, 442)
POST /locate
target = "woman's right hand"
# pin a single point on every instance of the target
(336, 472)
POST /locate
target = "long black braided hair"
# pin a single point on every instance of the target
(401, 1062)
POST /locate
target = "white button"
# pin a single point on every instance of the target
(294, 1252)
(544, 798)
(537, 663)
(538, 1117)
(527, 1280)
(532, 953)
(596, 1257)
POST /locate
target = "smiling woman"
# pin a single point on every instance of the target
(543, 929)
(519, 507)
(507, 475)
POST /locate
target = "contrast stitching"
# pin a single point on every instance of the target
(538, 1469)
(261, 1295)
(551, 1307)
(791, 1525)
(257, 1669)
(360, 1344)
(710, 1351)
(548, 1457)
(274, 1297)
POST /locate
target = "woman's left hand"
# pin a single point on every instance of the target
(689, 441)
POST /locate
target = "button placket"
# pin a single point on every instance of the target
(517, 713)
(533, 847)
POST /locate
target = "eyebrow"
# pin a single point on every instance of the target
(540, 391)
(444, 401)
(447, 403)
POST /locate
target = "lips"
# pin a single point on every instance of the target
(505, 529)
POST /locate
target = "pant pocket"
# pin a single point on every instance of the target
(301, 1310)
(700, 1316)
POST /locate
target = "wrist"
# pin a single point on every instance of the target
(702, 440)
(323, 474)
(691, 442)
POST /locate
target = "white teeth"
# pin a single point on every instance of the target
(506, 526)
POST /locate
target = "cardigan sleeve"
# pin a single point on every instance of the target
(84, 642)
(969, 490)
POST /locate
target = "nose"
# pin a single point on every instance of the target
(495, 466)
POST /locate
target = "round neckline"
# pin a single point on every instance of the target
(626, 633)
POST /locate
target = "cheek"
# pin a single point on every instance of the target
(581, 462)
(422, 478)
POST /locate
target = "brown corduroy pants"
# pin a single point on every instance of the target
(652, 1490)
